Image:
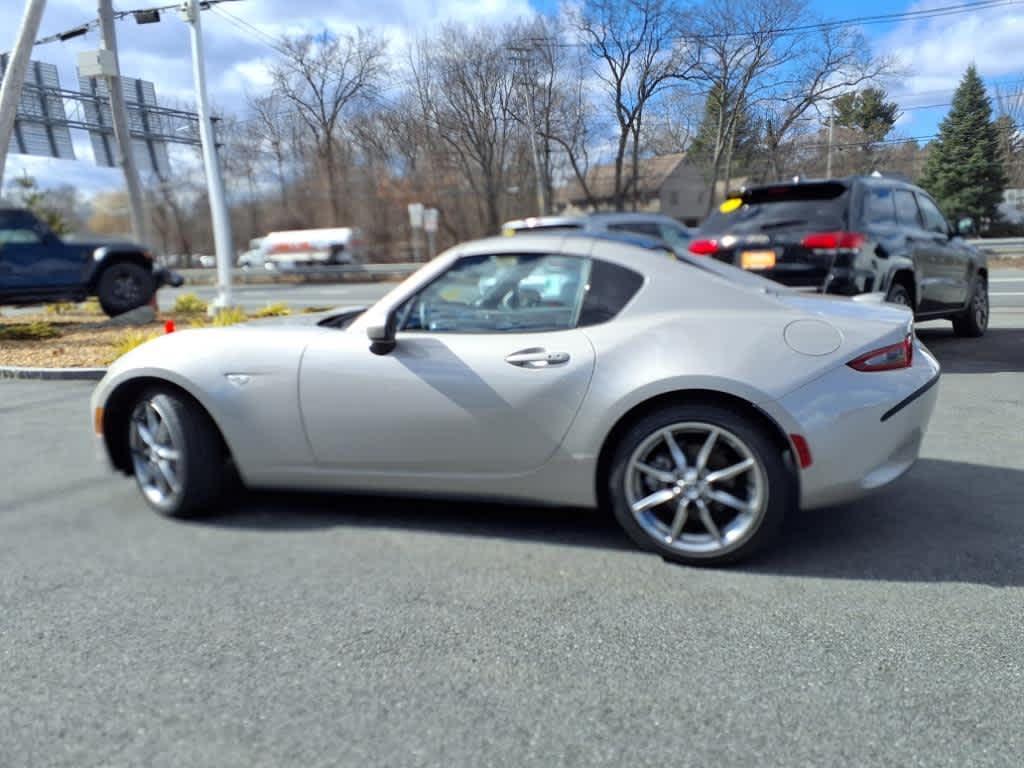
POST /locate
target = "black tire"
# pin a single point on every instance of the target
(898, 294)
(202, 469)
(123, 286)
(973, 322)
(776, 482)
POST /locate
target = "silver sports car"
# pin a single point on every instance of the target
(696, 402)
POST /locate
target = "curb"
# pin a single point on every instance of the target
(52, 374)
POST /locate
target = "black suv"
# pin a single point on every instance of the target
(37, 266)
(851, 236)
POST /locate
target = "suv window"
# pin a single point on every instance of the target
(934, 221)
(17, 228)
(906, 208)
(501, 293)
(879, 208)
(609, 289)
(787, 206)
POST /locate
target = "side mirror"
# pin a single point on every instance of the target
(382, 337)
(965, 226)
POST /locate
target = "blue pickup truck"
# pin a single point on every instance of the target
(38, 266)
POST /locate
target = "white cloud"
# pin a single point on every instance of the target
(937, 51)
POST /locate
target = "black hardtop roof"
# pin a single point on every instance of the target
(845, 181)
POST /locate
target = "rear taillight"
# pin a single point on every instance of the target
(833, 241)
(704, 247)
(890, 358)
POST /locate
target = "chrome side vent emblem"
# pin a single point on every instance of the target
(239, 379)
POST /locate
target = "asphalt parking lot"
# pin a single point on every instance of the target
(310, 630)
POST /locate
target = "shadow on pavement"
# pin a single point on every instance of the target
(1000, 349)
(281, 511)
(944, 521)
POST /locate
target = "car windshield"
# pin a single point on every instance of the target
(787, 206)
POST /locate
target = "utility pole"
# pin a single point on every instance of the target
(520, 55)
(14, 77)
(831, 124)
(214, 182)
(119, 117)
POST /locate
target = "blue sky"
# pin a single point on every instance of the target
(934, 52)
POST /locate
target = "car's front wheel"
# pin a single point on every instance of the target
(176, 453)
(123, 286)
(974, 321)
(700, 484)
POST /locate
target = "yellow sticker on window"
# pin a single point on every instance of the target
(730, 205)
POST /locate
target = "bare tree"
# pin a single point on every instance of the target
(743, 48)
(322, 76)
(832, 60)
(463, 82)
(637, 51)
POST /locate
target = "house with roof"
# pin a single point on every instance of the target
(668, 184)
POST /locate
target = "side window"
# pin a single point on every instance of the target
(906, 209)
(610, 288)
(934, 221)
(17, 229)
(639, 227)
(879, 208)
(508, 293)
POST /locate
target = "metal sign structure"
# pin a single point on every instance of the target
(149, 126)
(47, 113)
(40, 124)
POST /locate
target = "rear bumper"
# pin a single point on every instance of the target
(167, 277)
(864, 429)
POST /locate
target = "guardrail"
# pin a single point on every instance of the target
(340, 272)
(1001, 247)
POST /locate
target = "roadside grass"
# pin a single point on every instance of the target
(129, 341)
(62, 308)
(279, 309)
(227, 317)
(189, 304)
(314, 310)
(37, 330)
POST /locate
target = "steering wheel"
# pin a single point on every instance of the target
(521, 298)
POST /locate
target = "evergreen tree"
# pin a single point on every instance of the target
(965, 169)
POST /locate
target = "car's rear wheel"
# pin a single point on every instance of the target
(898, 294)
(974, 321)
(700, 484)
(123, 286)
(176, 453)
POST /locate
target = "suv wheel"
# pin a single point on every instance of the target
(974, 320)
(898, 294)
(123, 286)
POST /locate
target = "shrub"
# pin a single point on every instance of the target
(61, 308)
(230, 316)
(129, 341)
(189, 304)
(33, 331)
(91, 306)
(314, 310)
(280, 309)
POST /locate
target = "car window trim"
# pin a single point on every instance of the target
(407, 305)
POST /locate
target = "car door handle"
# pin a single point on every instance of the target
(537, 357)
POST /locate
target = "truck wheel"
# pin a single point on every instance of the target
(123, 286)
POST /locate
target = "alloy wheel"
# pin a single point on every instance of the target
(979, 305)
(156, 454)
(697, 488)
